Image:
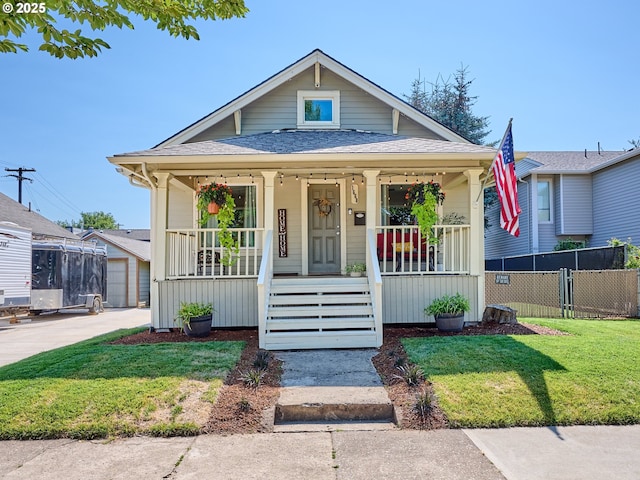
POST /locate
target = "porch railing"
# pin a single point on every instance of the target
(402, 250)
(196, 253)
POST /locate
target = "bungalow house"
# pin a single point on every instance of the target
(587, 196)
(319, 160)
(128, 266)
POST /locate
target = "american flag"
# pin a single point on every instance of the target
(506, 185)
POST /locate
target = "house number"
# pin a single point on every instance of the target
(282, 232)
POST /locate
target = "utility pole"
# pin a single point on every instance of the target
(20, 178)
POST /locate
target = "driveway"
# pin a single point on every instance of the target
(54, 330)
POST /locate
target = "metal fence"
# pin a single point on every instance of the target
(597, 258)
(565, 293)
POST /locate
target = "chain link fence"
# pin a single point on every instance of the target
(564, 293)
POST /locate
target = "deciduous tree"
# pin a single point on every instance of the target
(173, 16)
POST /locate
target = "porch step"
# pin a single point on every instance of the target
(312, 339)
(320, 312)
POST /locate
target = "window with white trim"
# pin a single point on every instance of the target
(318, 109)
(544, 201)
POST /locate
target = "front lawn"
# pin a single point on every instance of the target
(93, 389)
(591, 376)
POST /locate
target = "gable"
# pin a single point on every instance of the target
(272, 105)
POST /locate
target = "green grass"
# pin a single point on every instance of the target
(93, 390)
(591, 376)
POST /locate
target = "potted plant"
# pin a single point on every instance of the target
(424, 198)
(211, 197)
(448, 311)
(356, 269)
(216, 199)
(195, 318)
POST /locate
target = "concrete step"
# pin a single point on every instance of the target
(333, 404)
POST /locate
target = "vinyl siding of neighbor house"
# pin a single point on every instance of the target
(616, 203)
(497, 242)
(575, 212)
(122, 295)
(144, 282)
(278, 110)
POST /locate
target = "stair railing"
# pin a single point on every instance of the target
(375, 283)
(264, 285)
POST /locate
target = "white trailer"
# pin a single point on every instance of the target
(15, 268)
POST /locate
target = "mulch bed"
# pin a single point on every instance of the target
(241, 409)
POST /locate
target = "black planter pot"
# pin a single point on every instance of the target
(198, 326)
(450, 322)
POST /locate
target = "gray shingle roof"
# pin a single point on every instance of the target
(138, 248)
(570, 162)
(12, 211)
(143, 234)
(314, 142)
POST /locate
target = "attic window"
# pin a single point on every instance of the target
(318, 109)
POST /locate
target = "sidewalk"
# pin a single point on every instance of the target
(580, 453)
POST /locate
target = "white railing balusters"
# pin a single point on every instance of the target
(196, 253)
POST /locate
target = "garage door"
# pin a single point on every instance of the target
(116, 283)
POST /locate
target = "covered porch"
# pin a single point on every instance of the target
(404, 271)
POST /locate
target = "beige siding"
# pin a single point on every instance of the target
(457, 201)
(289, 197)
(235, 302)
(404, 298)
(181, 208)
(356, 234)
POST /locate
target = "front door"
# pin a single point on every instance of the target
(324, 229)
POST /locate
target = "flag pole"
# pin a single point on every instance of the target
(504, 137)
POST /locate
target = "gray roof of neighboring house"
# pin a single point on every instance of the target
(143, 234)
(138, 248)
(570, 162)
(314, 142)
(12, 211)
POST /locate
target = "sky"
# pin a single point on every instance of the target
(566, 72)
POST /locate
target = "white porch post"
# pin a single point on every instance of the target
(159, 212)
(372, 197)
(269, 200)
(476, 240)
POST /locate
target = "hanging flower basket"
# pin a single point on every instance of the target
(213, 208)
(216, 199)
(212, 193)
(415, 193)
(424, 199)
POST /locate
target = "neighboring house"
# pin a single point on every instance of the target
(12, 211)
(318, 158)
(128, 267)
(590, 196)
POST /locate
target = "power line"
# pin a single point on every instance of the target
(21, 178)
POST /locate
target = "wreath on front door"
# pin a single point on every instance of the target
(324, 206)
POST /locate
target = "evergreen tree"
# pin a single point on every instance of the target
(450, 103)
